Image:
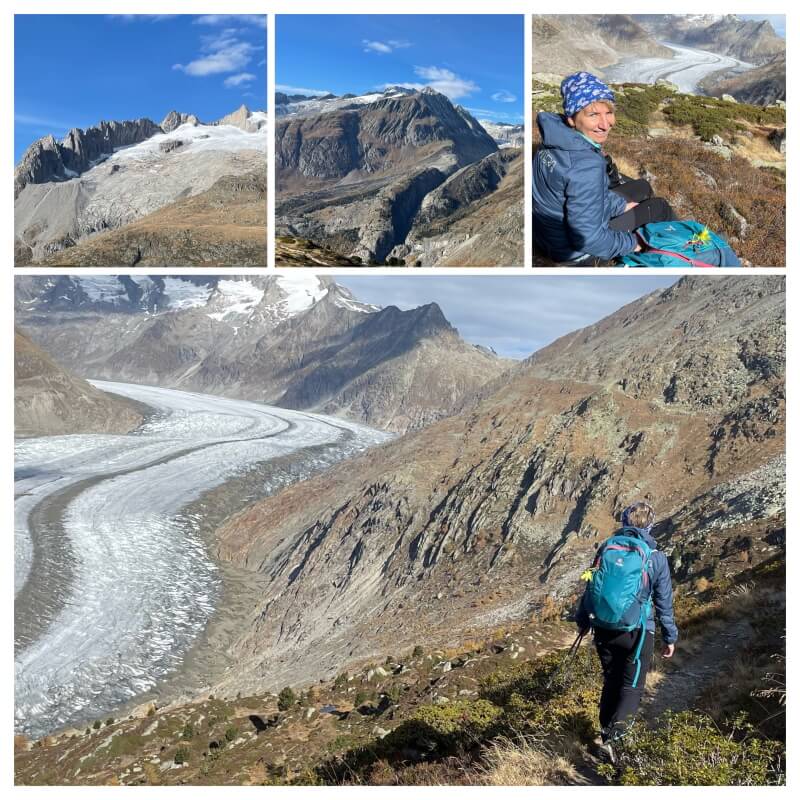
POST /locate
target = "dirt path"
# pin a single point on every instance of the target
(689, 675)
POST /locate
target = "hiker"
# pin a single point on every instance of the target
(625, 642)
(584, 210)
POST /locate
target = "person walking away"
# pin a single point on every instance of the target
(628, 586)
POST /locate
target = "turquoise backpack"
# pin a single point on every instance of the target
(680, 244)
(618, 588)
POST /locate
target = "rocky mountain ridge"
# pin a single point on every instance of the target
(377, 156)
(566, 43)
(302, 342)
(111, 175)
(535, 473)
(753, 41)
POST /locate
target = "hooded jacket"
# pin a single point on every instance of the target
(572, 202)
(661, 582)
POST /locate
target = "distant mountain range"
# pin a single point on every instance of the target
(567, 43)
(137, 193)
(379, 159)
(300, 342)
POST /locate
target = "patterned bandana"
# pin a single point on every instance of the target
(583, 89)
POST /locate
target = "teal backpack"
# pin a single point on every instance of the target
(618, 587)
(681, 244)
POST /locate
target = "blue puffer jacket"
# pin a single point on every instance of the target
(660, 580)
(572, 203)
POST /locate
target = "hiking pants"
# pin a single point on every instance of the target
(619, 700)
(650, 209)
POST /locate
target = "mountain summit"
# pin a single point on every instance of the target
(379, 157)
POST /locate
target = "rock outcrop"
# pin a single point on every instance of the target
(48, 160)
(514, 492)
(354, 175)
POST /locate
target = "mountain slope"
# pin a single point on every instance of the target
(112, 175)
(300, 342)
(565, 43)
(498, 507)
(353, 172)
(48, 401)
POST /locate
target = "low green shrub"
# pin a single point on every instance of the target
(688, 748)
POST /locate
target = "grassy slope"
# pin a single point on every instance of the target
(482, 713)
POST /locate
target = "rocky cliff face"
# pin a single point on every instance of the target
(763, 86)
(353, 172)
(48, 160)
(332, 145)
(109, 176)
(301, 343)
(49, 401)
(479, 517)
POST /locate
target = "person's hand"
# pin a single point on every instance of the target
(638, 248)
(629, 206)
(668, 650)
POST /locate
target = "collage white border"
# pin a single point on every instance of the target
(271, 8)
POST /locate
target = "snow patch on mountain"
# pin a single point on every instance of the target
(184, 294)
(236, 297)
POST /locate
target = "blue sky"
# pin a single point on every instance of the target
(74, 70)
(515, 315)
(476, 60)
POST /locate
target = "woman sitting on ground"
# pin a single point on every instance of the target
(584, 210)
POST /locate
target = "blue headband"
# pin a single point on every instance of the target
(583, 89)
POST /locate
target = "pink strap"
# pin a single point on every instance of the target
(682, 257)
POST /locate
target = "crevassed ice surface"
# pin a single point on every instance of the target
(143, 586)
(686, 69)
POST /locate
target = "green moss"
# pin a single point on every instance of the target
(689, 749)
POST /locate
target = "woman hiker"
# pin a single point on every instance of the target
(625, 656)
(584, 210)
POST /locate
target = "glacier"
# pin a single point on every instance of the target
(142, 586)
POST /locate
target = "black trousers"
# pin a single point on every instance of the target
(620, 700)
(650, 209)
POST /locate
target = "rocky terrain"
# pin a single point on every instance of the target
(764, 86)
(163, 189)
(303, 343)
(49, 401)
(751, 56)
(678, 397)
(565, 43)
(754, 41)
(354, 173)
(409, 603)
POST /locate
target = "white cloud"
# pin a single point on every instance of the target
(238, 80)
(259, 20)
(384, 47)
(376, 47)
(447, 82)
(286, 89)
(224, 53)
(504, 96)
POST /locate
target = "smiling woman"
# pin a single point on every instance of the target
(585, 211)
